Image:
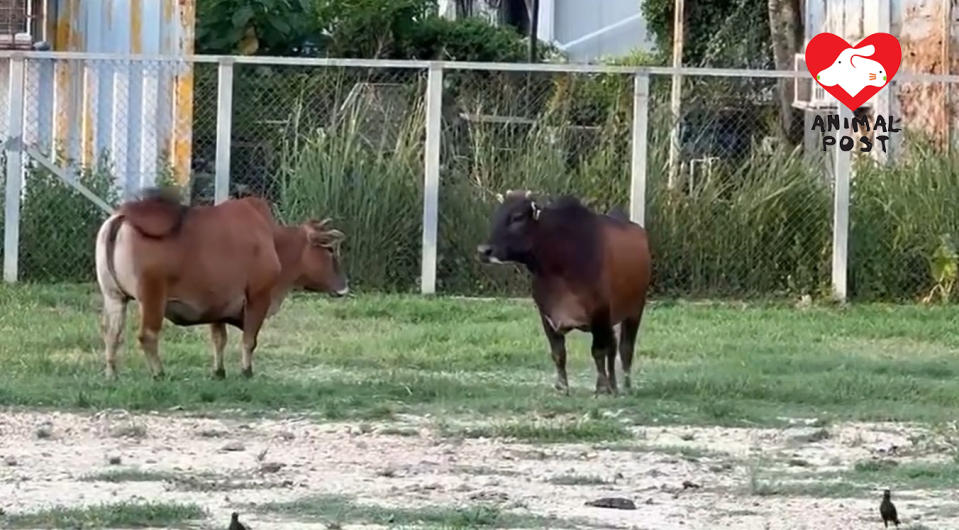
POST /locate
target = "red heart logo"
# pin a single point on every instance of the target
(853, 74)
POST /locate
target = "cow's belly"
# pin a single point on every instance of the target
(190, 313)
(566, 313)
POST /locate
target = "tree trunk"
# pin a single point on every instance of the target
(786, 31)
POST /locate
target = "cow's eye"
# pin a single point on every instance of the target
(516, 217)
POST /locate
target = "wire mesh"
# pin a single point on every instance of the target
(736, 209)
(343, 143)
(551, 133)
(740, 207)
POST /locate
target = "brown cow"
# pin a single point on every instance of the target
(217, 265)
(590, 272)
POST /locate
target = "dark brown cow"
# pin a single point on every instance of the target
(217, 265)
(590, 272)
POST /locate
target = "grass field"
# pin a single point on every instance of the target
(479, 370)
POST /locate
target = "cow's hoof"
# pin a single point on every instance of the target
(159, 376)
(111, 375)
(219, 373)
(562, 387)
(248, 372)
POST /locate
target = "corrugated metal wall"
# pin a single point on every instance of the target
(140, 114)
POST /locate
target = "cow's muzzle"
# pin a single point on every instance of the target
(485, 254)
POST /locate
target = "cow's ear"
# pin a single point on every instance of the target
(536, 211)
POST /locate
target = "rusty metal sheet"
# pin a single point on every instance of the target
(139, 113)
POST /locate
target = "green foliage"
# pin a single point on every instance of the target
(469, 39)
(368, 179)
(268, 27)
(722, 33)
(58, 225)
(898, 217)
(370, 28)
(373, 29)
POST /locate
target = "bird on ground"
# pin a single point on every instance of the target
(235, 523)
(888, 510)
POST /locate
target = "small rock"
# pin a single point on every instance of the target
(114, 460)
(616, 503)
(10, 460)
(233, 446)
(498, 496)
(649, 501)
(286, 435)
(688, 484)
(44, 432)
(271, 467)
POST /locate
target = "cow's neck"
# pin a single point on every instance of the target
(289, 242)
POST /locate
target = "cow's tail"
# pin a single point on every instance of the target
(157, 215)
(106, 261)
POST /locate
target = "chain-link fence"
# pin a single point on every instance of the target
(739, 184)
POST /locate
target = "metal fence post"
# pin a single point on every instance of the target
(431, 178)
(14, 186)
(224, 127)
(840, 226)
(637, 182)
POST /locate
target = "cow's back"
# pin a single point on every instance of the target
(215, 256)
(626, 267)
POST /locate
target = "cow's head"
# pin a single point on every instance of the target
(320, 262)
(513, 226)
(852, 64)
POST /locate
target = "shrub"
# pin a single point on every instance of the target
(58, 225)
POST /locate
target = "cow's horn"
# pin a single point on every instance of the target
(529, 193)
(499, 197)
(536, 211)
(509, 192)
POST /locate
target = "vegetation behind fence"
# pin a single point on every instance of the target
(348, 143)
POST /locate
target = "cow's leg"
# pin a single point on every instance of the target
(253, 316)
(627, 343)
(557, 349)
(112, 321)
(152, 297)
(218, 336)
(602, 348)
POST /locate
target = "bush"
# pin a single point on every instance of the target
(898, 216)
(371, 186)
(58, 225)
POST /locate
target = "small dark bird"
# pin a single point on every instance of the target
(888, 510)
(235, 523)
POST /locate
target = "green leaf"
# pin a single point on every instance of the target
(242, 16)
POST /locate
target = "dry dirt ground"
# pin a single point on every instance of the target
(48, 459)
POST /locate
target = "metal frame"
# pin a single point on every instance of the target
(431, 177)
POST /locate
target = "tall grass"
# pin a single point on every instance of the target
(898, 214)
(369, 181)
(758, 225)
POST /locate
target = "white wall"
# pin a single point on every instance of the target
(573, 19)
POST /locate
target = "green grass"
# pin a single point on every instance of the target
(577, 480)
(205, 482)
(372, 356)
(122, 514)
(129, 475)
(341, 509)
(863, 478)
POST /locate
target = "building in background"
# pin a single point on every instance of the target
(928, 32)
(139, 114)
(587, 30)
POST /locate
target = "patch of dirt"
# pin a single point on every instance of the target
(306, 458)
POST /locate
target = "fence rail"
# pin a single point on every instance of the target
(740, 198)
